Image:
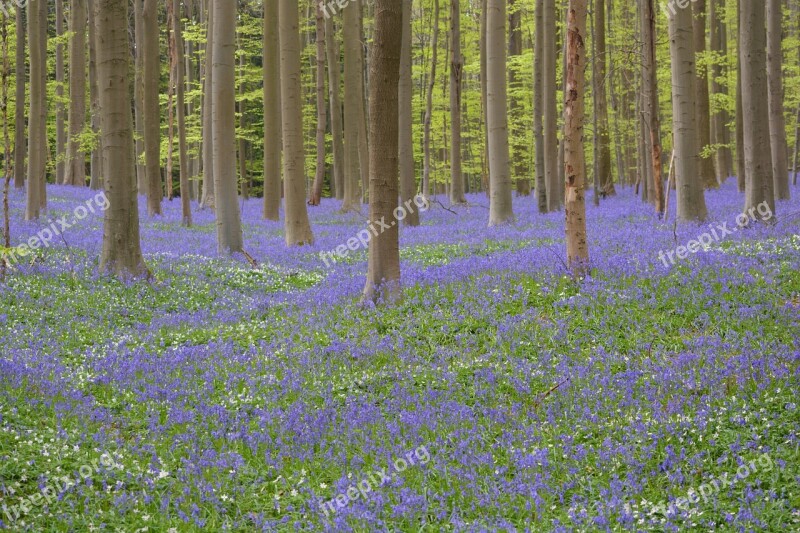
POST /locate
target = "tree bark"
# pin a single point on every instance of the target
(759, 184)
(705, 164)
(719, 121)
(599, 78)
(223, 112)
(518, 147)
(37, 114)
(426, 134)
(272, 113)
(151, 110)
(691, 201)
(383, 275)
(183, 156)
(298, 229)
(549, 106)
(777, 123)
(500, 201)
(61, 131)
(405, 89)
(574, 157)
(19, 113)
(538, 111)
(96, 173)
(76, 159)
(352, 115)
(138, 97)
(121, 253)
(456, 74)
(650, 101)
(335, 102)
(319, 177)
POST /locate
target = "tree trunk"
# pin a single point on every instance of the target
(484, 100)
(691, 201)
(223, 95)
(76, 159)
(183, 156)
(405, 89)
(500, 201)
(705, 164)
(352, 115)
(363, 98)
(37, 115)
(383, 275)
(272, 113)
(759, 184)
(574, 157)
(719, 120)
(244, 183)
(335, 102)
(19, 113)
(121, 253)
(599, 86)
(538, 101)
(61, 131)
(650, 101)
(426, 134)
(549, 106)
(319, 178)
(777, 123)
(741, 169)
(96, 173)
(518, 147)
(138, 98)
(456, 74)
(298, 229)
(151, 110)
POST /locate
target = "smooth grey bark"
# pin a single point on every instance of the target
(61, 130)
(759, 183)
(96, 172)
(352, 115)
(273, 139)
(183, 155)
(37, 114)
(650, 102)
(691, 200)
(383, 274)
(121, 253)
(500, 198)
(151, 110)
(335, 102)
(76, 159)
(777, 123)
(223, 113)
(138, 97)
(405, 89)
(297, 227)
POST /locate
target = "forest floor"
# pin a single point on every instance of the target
(499, 395)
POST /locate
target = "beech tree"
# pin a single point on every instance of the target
(272, 113)
(76, 159)
(37, 113)
(405, 88)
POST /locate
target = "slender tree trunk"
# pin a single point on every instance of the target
(691, 201)
(183, 156)
(538, 101)
(599, 78)
(334, 97)
(383, 276)
(272, 113)
(6, 182)
(500, 201)
(456, 73)
(484, 99)
(518, 147)
(352, 115)
(298, 229)
(549, 106)
(61, 131)
(426, 134)
(96, 173)
(574, 157)
(741, 169)
(705, 164)
(759, 184)
(223, 89)
(650, 100)
(76, 159)
(319, 178)
(363, 97)
(168, 188)
(37, 115)
(121, 253)
(151, 110)
(408, 185)
(244, 182)
(138, 98)
(19, 113)
(719, 120)
(777, 123)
